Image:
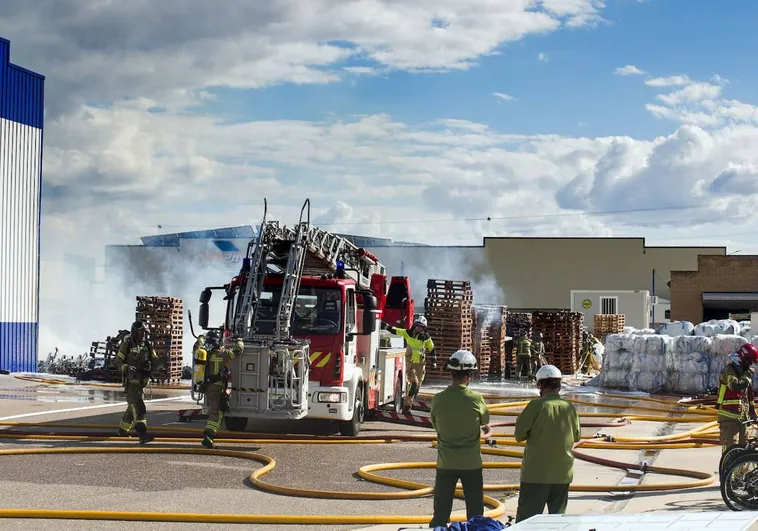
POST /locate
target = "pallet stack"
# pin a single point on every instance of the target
(448, 314)
(562, 335)
(608, 324)
(164, 318)
(517, 324)
(489, 340)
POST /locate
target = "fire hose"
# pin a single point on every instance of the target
(696, 438)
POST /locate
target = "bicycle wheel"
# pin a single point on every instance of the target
(739, 487)
(728, 457)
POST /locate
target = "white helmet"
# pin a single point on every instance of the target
(548, 371)
(420, 321)
(462, 360)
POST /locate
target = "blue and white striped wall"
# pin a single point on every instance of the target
(21, 120)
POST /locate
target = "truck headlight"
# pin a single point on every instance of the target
(332, 398)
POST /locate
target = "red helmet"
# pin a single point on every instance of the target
(748, 352)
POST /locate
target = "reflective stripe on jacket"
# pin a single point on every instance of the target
(732, 401)
(420, 345)
(219, 359)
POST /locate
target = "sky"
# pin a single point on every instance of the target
(436, 121)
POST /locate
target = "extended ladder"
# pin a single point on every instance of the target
(244, 322)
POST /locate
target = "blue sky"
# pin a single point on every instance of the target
(573, 93)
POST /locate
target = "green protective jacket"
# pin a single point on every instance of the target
(550, 427)
(137, 355)
(538, 349)
(524, 348)
(219, 359)
(420, 344)
(735, 395)
(458, 414)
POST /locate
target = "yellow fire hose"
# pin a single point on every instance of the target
(411, 489)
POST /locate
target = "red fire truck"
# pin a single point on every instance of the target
(307, 304)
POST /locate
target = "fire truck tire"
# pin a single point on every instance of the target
(352, 427)
(235, 423)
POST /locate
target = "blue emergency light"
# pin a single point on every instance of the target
(340, 265)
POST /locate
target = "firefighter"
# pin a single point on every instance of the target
(215, 382)
(135, 360)
(419, 345)
(550, 427)
(735, 401)
(460, 416)
(524, 357)
(538, 352)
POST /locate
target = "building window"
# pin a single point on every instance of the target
(609, 305)
(667, 314)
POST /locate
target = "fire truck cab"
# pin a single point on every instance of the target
(308, 306)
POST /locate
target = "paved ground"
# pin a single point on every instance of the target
(196, 483)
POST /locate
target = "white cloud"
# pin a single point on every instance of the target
(629, 70)
(671, 81)
(105, 51)
(503, 96)
(543, 57)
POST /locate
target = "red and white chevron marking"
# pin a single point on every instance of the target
(422, 406)
(399, 417)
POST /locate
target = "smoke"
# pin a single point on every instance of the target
(79, 306)
(445, 263)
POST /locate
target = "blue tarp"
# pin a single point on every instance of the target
(477, 523)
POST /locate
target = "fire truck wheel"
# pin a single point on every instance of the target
(235, 423)
(353, 427)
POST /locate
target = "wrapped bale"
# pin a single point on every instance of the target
(723, 346)
(690, 364)
(636, 362)
(715, 327)
(677, 328)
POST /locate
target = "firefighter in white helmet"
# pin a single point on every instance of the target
(550, 427)
(460, 416)
(419, 345)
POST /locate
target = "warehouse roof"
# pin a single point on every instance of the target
(172, 240)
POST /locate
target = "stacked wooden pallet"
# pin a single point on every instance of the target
(489, 339)
(562, 335)
(517, 324)
(608, 324)
(448, 314)
(164, 318)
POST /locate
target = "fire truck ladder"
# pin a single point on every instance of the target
(293, 273)
(331, 248)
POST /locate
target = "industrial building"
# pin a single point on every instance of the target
(719, 287)
(21, 124)
(522, 273)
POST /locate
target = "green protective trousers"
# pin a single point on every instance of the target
(533, 497)
(524, 366)
(444, 492)
(731, 432)
(213, 393)
(135, 409)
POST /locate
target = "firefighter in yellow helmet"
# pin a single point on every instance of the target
(136, 360)
(419, 345)
(219, 355)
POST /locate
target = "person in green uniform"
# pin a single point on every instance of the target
(136, 360)
(538, 353)
(459, 415)
(215, 382)
(550, 427)
(419, 345)
(524, 357)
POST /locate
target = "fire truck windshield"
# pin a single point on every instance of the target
(318, 311)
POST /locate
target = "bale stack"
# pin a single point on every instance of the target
(489, 340)
(448, 314)
(562, 335)
(608, 324)
(517, 324)
(164, 318)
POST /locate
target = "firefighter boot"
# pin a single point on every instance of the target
(144, 437)
(121, 432)
(208, 440)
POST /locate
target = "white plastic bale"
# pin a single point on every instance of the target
(648, 381)
(677, 328)
(684, 382)
(723, 345)
(688, 344)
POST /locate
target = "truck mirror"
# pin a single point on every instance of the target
(369, 314)
(205, 296)
(202, 319)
